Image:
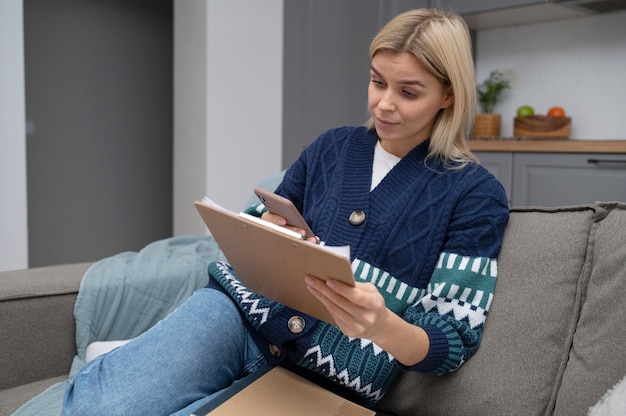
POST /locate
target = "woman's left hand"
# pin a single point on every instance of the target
(358, 311)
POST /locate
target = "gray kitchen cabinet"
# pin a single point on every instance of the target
(489, 14)
(557, 9)
(557, 179)
(481, 6)
(553, 179)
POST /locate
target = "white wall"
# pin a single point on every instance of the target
(228, 118)
(578, 64)
(190, 103)
(13, 213)
(244, 90)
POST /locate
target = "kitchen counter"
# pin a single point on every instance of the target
(548, 146)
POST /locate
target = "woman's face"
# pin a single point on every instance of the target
(404, 100)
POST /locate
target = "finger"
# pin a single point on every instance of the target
(357, 295)
(347, 316)
(279, 220)
(331, 299)
(339, 314)
(364, 295)
(296, 229)
(274, 218)
(315, 239)
(321, 287)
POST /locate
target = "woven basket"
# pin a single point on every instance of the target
(487, 125)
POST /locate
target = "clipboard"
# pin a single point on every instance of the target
(273, 263)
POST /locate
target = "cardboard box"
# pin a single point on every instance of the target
(277, 391)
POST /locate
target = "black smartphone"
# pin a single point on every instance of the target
(276, 204)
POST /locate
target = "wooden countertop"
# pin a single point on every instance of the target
(548, 146)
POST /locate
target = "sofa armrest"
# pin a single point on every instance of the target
(37, 322)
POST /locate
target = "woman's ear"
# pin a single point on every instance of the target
(448, 99)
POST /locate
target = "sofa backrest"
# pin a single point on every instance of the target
(597, 359)
(554, 339)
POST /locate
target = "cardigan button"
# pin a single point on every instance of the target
(357, 217)
(296, 324)
(275, 351)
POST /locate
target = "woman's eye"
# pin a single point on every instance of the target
(409, 94)
(378, 83)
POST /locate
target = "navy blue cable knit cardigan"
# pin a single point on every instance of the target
(429, 242)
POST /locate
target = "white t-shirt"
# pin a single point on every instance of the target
(383, 163)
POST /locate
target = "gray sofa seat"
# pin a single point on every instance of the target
(553, 343)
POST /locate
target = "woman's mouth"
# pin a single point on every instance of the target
(384, 123)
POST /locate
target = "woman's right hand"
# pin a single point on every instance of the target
(279, 220)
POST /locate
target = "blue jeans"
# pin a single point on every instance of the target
(181, 363)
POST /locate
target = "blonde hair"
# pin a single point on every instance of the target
(441, 43)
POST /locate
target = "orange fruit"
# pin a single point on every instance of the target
(556, 112)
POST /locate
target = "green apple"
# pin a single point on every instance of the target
(525, 111)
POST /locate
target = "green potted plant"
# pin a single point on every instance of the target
(487, 123)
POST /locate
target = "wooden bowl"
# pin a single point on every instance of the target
(542, 127)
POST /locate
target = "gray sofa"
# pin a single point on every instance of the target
(554, 342)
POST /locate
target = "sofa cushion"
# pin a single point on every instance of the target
(596, 361)
(12, 399)
(35, 343)
(530, 326)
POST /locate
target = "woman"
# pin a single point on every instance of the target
(424, 222)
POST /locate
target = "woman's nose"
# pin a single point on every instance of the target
(387, 102)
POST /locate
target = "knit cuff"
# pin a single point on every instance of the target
(439, 354)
